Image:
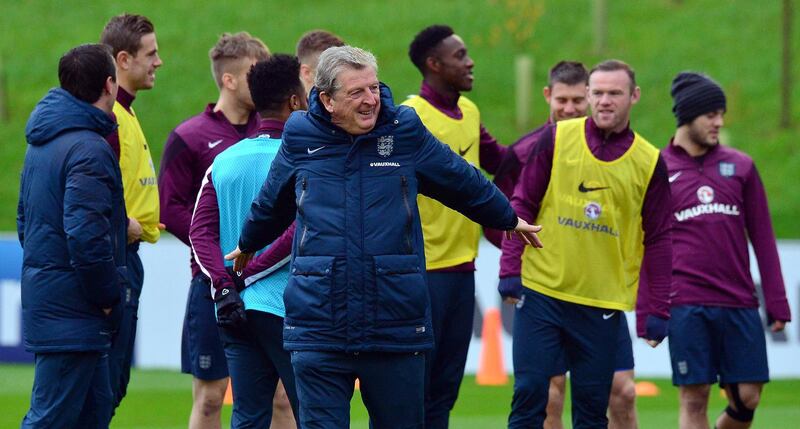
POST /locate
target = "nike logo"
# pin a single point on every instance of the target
(311, 152)
(584, 189)
(674, 176)
(212, 145)
(608, 316)
(464, 152)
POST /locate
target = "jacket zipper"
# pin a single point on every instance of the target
(404, 182)
(302, 214)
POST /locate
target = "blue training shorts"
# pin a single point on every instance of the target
(202, 354)
(624, 358)
(709, 344)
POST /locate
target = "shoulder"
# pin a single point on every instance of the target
(733, 161)
(466, 103)
(193, 126)
(90, 147)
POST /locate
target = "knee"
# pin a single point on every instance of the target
(555, 400)
(210, 397)
(695, 401)
(750, 398)
(281, 404)
(623, 397)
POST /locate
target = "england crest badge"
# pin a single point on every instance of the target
(385, 146)
(727, 169)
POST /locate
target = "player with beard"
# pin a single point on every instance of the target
(451, 239)
(566, 96)
(719, 203)
(601, 192)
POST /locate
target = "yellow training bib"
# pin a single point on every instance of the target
(138, 174)
(450, 238)
(591, 213)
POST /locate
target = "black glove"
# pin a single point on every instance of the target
(238, 280)
(230, 307)
(510, 287)
(656, 328)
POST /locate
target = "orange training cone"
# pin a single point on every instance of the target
(491, 371)
(228, 394)
(647, 388)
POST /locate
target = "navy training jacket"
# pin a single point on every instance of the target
(71, 223)
(358, 264)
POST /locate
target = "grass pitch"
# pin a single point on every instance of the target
(162, 400)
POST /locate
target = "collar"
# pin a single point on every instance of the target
(125, 99)
(601, 134)
(680, 151)
(438, 100)
(271, 126)
(220, 115)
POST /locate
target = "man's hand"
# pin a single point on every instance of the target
(240, 260)
(134, 230)
(778, 326)
(656, 330)
(510, 289)
(230, 307)
(238, 280)
(526, 233)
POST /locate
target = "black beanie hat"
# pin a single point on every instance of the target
(695, 94)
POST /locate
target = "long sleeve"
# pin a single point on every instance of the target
(762, 237)
(491, 152)
(204, 235)
(527, 199)
(275, 256)
(175, 188)
(657, 224)
(87, 222)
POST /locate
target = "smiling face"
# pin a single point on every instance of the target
(611, 98)
(453, 63)
(566, 101)
(355, 105)
(141, 66)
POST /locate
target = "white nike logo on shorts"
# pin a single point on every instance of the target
(608, 316)
(311, 152)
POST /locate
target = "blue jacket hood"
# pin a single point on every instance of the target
(58, 112)
(318, 111)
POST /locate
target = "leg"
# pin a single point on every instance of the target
(253, 377)
(743, 370)
(97, 409)
(452, 309)
(268, 330)
(391, 387)
(282, 414)
(590, 347)
(555, 402)
(203, 356)
(121, 354)
(743, 398)
(59, 389)
(325, 383)
(622, 402)
(537, 350)
(694, 406)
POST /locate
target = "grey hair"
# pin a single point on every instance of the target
(336, 59)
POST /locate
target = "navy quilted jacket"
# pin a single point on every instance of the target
(358, 263)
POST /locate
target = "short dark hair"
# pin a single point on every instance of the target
(124, 33)
(568, 73)
(614, 65)
(425, 41)
(83, 71)
(232, 48)
(313, 43)
(273, 81)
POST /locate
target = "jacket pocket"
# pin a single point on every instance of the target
(308, 295)
(402, 294)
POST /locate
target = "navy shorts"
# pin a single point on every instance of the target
(624, 356)
(709, 344)
(202, 354)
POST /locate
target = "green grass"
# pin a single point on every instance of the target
(162, 399)
(737, 42)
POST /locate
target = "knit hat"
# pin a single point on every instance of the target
(695, 94)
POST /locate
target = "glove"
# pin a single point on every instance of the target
(510, 287)
(230, 307)
(238, 281)
(656, 328)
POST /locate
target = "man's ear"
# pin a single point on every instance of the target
(229, 81)
(123, 60)
(546, 94)
(327, 101)
(432, 64)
